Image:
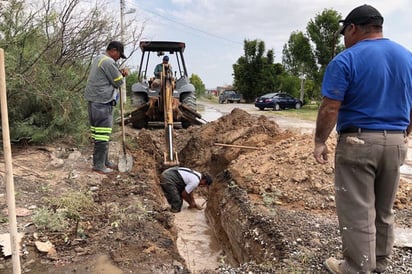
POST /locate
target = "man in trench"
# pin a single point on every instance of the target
(178, 184)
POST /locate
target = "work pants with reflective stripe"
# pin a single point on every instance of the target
(366, 181)
(101, 121)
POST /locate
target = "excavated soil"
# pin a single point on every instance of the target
(271, 207)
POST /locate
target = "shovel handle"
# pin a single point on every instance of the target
(122, 119)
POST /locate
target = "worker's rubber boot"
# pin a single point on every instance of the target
(99, 158)
(107, 162)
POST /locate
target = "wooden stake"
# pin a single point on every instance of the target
(237, 146)
(11, 203)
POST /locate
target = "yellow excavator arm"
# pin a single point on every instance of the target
(167, 87)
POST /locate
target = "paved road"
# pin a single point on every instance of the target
(213, 111)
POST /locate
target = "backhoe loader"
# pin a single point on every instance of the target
(172, 104)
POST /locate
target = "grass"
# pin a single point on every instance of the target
(61, 210)
(307, 112)
(45, 218)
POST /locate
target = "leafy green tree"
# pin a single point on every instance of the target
(290, 84)
(48, 47)
(255, 73)
(322, 31)
(198, 83)
(130, 80)
(298, 57)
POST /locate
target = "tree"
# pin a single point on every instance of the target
(298, 57)
(49, 47)
(322, 31)
(301, 59)
(198, 83)
(255, 73)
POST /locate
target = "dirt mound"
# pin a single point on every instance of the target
(271, 205)
(277, 165)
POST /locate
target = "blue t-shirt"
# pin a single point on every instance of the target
(373, 80)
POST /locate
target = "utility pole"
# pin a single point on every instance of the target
(122, 21)
(123, 87)
(122, 40)
(302, 86)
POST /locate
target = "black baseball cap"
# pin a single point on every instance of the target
(118, 46)
(362, 15)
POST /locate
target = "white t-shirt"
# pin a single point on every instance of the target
(191, 180)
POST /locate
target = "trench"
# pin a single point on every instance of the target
(213, 236)
(196, 241)
(228, 231)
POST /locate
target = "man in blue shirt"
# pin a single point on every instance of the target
(367, 93)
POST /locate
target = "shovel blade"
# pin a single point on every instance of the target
(125, 163)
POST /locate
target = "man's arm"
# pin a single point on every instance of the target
(188, 197)
(113, 74)
(325, 122)
(409, 128)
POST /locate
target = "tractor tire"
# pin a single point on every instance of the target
(138, 99)
(139, 120)
(189, 99)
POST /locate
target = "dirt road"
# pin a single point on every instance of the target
(212, 111)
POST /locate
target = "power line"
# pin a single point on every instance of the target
(186, 26)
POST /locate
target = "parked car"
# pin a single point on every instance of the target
(277, 101)
(229, 96)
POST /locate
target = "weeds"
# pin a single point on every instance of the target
(45, 218)
(59, 211)
(75, 204)
(270, 199)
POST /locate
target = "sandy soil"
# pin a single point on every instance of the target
(272, 206)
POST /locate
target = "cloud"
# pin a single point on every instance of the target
(214, 30)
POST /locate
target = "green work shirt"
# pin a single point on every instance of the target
(158, 70)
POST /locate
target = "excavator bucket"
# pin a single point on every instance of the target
(191, 115)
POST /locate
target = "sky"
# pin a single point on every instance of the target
(214, 30)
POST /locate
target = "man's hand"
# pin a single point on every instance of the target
(124, 72)
(321, 153)
(196, 206)
(327, 116)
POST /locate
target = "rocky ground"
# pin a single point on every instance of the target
(271, 205)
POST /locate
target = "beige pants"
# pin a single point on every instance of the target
(366, 181)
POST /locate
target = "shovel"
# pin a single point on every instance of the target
(125, 160)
